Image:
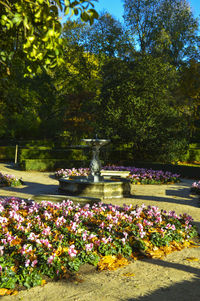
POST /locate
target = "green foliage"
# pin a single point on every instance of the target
(29, 106)
(192, 155)
(51, 164)
(92, 79)
(8, 277)
(48, 153)
(7, 153)
(188, 96)
(9, 180)
(33, 29)
(137, 107)
(107, 37)
(29, 278)
(164, 28)
(77, 84)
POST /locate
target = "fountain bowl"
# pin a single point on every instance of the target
(105, 189)
(96, 142)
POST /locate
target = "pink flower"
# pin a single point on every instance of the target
(109, 227)
(173, 227)
(123, 240)
(147, 223)
(51, 259)
(140, 226)
(73, 226)
(110, 239)
(104, 240)
(46, 231)
(1, 250)
(46, 243)
(109, 216)
(91, 236)
(89, 247)
(47, 215)
(142, 234)
(32, 236)
(84, 235)
(27, 262)
(125, 235)
(4, 241)
(102, 225)
(71, 251)
(34, 262)
(97, 242)
(60, 221)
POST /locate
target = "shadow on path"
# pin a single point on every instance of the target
(31, 188)
(189, 201)
(182, 291)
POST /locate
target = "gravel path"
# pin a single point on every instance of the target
(173, 278)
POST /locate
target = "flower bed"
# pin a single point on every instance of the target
(48, 239)
(72, 172)
(137, 175)
(9, 180)
(196, 187)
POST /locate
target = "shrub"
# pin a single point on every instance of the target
(196, 187)
(9, 180)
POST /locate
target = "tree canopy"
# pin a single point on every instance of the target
(164, 28)
(136, 83)
(32, 30)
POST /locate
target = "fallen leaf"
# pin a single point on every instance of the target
(78, 280)
(192, 259)
(128, 274)
(13, 293)
(111, 262)
(3, 291)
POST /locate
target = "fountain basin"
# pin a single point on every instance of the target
(105, 189)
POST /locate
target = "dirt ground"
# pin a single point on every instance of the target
(173, 278)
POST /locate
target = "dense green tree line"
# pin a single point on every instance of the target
(136, 83)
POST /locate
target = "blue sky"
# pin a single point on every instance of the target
(115, 7)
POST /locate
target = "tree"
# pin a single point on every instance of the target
(141, 18)
(106, 37)
(28, 106)
(137, 108)
(77, 84)
(164, 28)
(188, 97)
(32, 29)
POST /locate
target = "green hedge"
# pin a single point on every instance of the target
(117, 156)
(193, 153)
(7, 153)
(49, 153)
(51, 164)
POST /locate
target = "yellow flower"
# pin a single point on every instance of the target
(13, 268)
(59, 251)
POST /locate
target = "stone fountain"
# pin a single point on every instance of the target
(95, 185)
